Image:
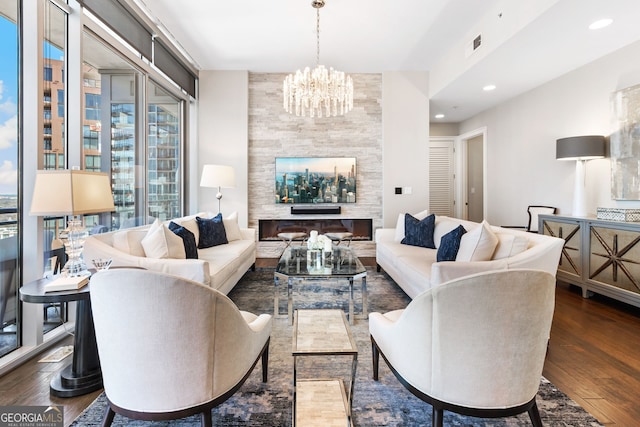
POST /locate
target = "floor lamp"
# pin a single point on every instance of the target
(74, 193)
(219, 176)
(580, 149)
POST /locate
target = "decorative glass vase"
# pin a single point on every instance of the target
(314, 259)
(73, 238)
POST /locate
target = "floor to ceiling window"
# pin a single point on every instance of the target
(164, 136)
(54, 135)
(114, 97)
(114, 112)
(127, 193)
(112, 141)
(9, 145)
(53, 150)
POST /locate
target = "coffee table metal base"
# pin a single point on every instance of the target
(291, 279)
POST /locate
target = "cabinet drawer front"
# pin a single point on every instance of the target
(614, 257)
(571, 257)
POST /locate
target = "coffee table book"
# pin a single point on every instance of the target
(66, 283)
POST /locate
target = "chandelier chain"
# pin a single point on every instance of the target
(317, 37)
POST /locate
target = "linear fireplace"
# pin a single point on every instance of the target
(362, 229)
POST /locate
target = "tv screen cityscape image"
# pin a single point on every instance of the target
(315, 180)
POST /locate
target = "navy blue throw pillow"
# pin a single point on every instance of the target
(188, 240)
(419, 232)
(211, 231)
(450, 244)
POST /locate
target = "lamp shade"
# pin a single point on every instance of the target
(71, 192)
(218, 176)
(581, 147)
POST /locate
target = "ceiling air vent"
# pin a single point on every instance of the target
(473, 46)
(477, 41)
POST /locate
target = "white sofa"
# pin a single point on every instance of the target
(415, 269)
(219, 267)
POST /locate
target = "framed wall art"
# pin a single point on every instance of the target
(625, 144)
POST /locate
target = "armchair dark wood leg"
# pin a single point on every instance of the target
(265, 364)
(437, 417)
(253, 267)
(375, 354)
(206, 419)
(108, 417)
(378, 268)
(534, 414)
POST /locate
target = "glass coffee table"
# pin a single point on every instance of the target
(322, 402)
(294, 267)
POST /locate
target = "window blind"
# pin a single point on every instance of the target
(114, 15)
(140, 37)
(172, 67)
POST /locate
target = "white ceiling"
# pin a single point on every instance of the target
(525, 42)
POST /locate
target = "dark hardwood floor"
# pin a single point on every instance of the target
(594, 357)
(29, 385)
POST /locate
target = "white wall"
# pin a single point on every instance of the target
(522, 134)
(405, 123)
(223, 137)
(223, 126)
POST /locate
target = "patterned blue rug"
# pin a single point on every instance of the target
(382, 403)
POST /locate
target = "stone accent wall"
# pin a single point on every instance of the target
(275, 133)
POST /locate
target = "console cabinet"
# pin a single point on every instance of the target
(598, 255)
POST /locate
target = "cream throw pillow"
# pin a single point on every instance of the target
(445, 225)
(400, 223)
(160, 242)
(510, 245)
(231, 227)
(478, 244)
(190, 223)
(129, 241)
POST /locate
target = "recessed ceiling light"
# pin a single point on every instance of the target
(439, 116)
(601, 23)
(488, 88)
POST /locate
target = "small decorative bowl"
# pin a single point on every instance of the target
(101, 263)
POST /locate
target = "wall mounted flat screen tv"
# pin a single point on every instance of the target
(315, 180)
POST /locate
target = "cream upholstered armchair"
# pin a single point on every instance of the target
(474, 345)
(169, 347)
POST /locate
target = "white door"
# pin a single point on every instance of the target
(441, 176)
(471, 185)
(475, 179)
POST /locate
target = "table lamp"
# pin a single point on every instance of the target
(218, 176)
(581, 149)
(74, 193)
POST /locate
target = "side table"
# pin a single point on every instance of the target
(83, 375)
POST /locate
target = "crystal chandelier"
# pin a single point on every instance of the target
(312, 91)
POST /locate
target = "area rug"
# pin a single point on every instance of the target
(382, 403)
